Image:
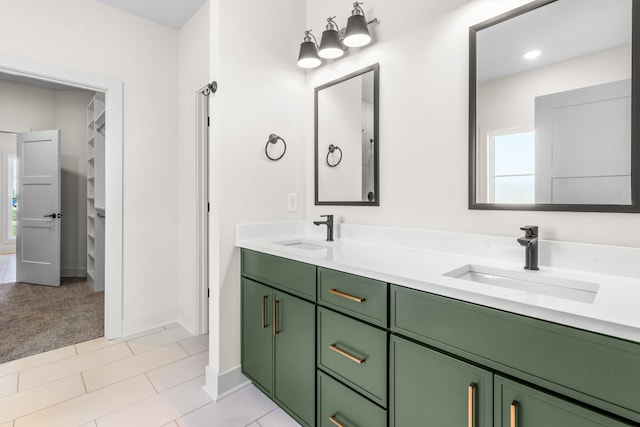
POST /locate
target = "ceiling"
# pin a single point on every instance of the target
(170, 13)
(561, 30)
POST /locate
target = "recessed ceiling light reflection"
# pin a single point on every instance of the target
(532, 54)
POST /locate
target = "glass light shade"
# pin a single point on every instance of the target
(357, 33)
(330, 45)
(308, 57)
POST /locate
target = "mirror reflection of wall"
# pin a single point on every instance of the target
(346, 143)
(555, 127)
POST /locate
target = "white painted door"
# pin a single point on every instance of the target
(583, 145)
(38, 239)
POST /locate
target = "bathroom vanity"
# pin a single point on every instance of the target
(356, 333)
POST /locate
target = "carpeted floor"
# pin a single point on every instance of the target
(35, 319)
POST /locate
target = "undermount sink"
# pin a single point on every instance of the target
(528, 281)
(302, 244)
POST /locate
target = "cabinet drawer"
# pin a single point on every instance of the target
(519, 405)
(345, 406)
(357, 296)
(353, 352)
(295, 277)
(599, 370)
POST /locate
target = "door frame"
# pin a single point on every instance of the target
(202, 210)
(113, 89)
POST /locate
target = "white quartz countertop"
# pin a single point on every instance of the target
(614, 311)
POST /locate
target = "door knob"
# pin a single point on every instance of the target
(51, 216)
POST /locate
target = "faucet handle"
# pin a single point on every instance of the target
(329, 217)
(530, 230)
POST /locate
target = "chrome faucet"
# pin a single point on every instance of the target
(329, 224)
(530, 242)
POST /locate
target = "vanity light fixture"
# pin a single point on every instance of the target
(308, 56)
(335, 40)
(532, 54)
(357, 32)
(330, 45)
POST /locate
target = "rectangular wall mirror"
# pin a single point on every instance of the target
(346, 140)
(553, 87)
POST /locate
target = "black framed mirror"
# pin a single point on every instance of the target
(346, 140)
(553, 88)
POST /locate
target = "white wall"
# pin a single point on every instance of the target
(95, 38)
(508, 102)
(254, 47)
(28, 107)
(423, 58)
(193, 74)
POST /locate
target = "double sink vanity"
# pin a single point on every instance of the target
(379, 328)
(404, 328)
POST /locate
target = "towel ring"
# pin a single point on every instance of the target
(332, 149)
(273, 138)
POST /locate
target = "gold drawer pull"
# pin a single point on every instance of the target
(264, 321)
(470, 399)
(332, 418)
(275, 317)
(347, 296)
(345, 354)
(514, 413)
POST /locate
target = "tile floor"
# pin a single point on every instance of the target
(151, 379)
(7, 271)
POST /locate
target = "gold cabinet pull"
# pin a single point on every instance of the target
(262, 311)
(333, 419)
(470, 401)
(345, 354)
(347, 296)
(275, 317)
(514, 413)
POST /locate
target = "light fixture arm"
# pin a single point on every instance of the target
(357, 10)
(331, 24)
(308, 36)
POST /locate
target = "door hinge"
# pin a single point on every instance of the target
(208, 121)
(208, 292)
(208, 207)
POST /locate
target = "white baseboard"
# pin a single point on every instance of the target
(132, 326)
(219, 386)
(73, 272)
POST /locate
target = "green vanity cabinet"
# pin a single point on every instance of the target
(257, 335)
(370, 354)
(278, 332)
(517, 405)
(428, 388)
(595, 369)
(278, 348)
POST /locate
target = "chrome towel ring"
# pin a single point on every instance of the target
(273, 139)
(332, 149)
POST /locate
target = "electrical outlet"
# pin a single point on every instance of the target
(292, 202)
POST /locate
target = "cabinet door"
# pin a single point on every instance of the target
(295, 356)
(517, 405)
(428, 388)
(257, 334)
